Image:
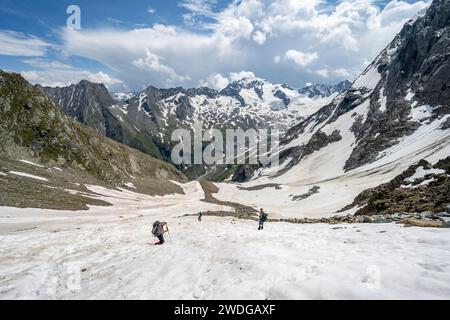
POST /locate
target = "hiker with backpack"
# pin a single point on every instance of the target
(262, 218)
(200, 215)
(159, 228)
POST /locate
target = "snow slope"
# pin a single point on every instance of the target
(366, 136)
(108, 253)
(337, 189)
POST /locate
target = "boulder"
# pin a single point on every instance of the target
(424, 223)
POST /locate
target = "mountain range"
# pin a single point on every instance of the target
(146, 120)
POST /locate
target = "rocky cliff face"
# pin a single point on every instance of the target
(413, 90)
(86, 102)
(421, 188)
(321, 90)
(404, 91)
(91, 104)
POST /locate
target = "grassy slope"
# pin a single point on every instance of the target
(33, 128)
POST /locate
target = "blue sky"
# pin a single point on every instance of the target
(129, 45)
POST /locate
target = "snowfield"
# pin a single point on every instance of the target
(108, 253)
(324, 169)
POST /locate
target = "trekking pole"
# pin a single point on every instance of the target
(168, 232)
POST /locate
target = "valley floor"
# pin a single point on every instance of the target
(108, 253)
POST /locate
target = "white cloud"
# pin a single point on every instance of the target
(218, 81)
(57, 74)
(236, 76)
(197, 10)
(259, 37)
(301, 58)
(245, 35)
(101, 77)
(151, 10)
(323, 73)
(341, 73)
(152, 63)
(19, 44)
(344, 73)
(199, 7)
(215, 81)
(191, 55)
(235, 27)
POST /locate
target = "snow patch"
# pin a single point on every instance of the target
(109, 254)
(409, 95)
(368, 80)
(26, 175)
(383, 101)
(421, 112)
(130, 185)
(421, 173)
(31, 163)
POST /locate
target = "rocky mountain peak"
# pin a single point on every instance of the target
(323, 90)
(402, 93)
(203, 91)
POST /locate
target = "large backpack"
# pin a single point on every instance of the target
(264, 216)
(155, 228)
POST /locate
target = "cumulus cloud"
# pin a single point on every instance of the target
(215, 81)
(323, 73)
(236, 76)
(247, 35)
(19, 44)
(194, 56)
(301, 58)
(57, 74)
(218, 81)
(235, 27)
(259, 37)
(344, 73)
(152, 62)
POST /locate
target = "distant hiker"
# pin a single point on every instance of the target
(200, 214)
(262, 218)
(159, 228)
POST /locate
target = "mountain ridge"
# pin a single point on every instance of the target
(145, 120)
(34, 130)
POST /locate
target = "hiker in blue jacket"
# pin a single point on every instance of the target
(262, 218)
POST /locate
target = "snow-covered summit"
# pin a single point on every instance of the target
(123, 96)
